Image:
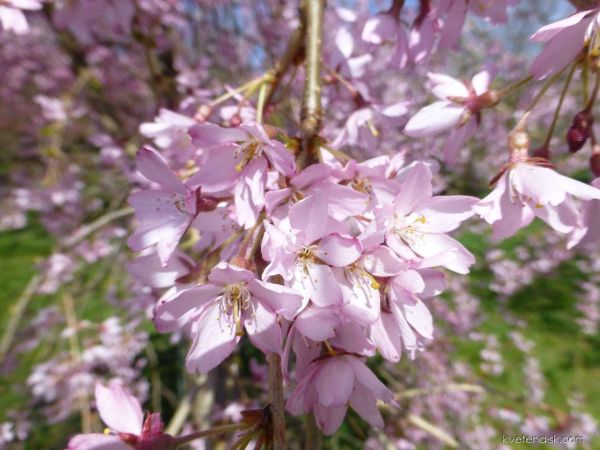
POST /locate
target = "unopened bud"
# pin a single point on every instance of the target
(579, 132)
(583, 119)
(595, 164)
(576, 138)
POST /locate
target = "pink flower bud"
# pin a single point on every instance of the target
(595, 164)
(579, 132)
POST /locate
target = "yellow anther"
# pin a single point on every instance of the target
(374, 131)
(329, 348)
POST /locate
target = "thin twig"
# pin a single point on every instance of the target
(210, 432)
(522, 123)
(276, 401)
(90, 228)
(283, 64)
(181, 414)
(311, 101)
(559, 106)
(18, 310)
(75, 348)
(312, 433)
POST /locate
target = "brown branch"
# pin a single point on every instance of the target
(276, 401)
(311, 101)
(293, 50)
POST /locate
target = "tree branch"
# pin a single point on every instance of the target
(311, 101)
(276, 400)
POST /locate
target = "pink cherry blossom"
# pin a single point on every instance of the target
(164, 214)
(344, 56)
(123, 415)
(527, 190)
(12, 17)
(232, 300)
(375, 178)
(459, 109)
(318, 187)
(360, 281)
(150, 270)
(456, 13)
(564, 40)
(588, 230)
(333, 382)
(169, 131)
(362, 125)
(384, 28)
(240, 159)
(305, 258)
(417, 223)
(405, 322)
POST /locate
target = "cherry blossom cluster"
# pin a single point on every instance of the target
(333, 263)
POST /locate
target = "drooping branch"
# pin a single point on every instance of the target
(282, 65)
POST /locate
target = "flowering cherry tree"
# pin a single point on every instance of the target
(272, 188)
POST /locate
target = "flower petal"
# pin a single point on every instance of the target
(119, 411)
(317, 324)
(415, 190)
(153, 167)
(444, 86)
(323, 288)
(434, 119)
(263, 328)
(168, 311)
(329, 418)
(214, 341)
(560, 50)
(97, 441)
(334, 382)
(339, 251)
(281, 299)
(385, 334)
(364, 403)
(445, 213)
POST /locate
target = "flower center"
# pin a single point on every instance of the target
(408, 227)
(248, 151)
(306, 256)
(520, 197)
(362, 185)
(358, 276)
(235, 300)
